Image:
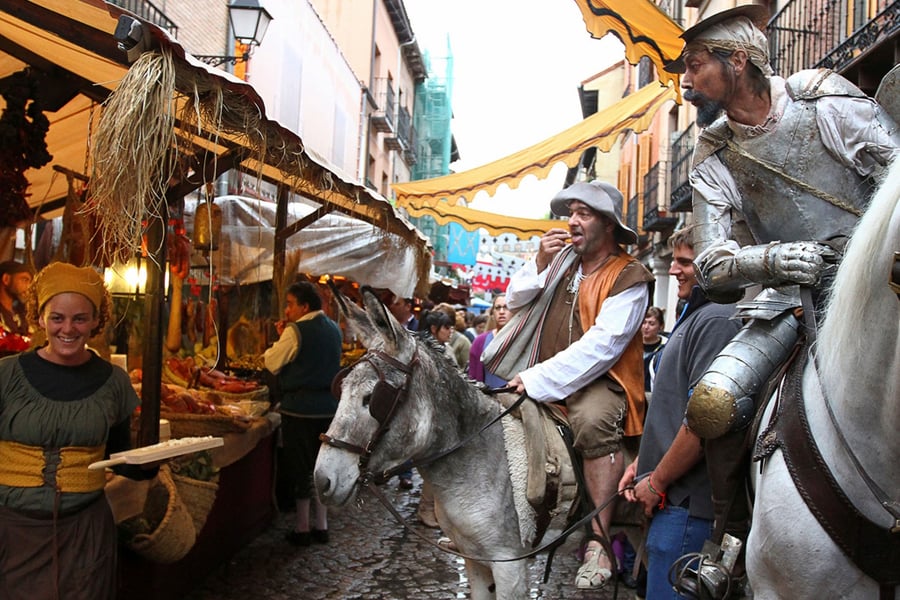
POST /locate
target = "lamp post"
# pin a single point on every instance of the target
(249, 21)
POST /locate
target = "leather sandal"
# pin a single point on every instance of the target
(591, 576)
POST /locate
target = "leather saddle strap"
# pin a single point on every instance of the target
(875, 550)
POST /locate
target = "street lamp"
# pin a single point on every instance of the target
(249, 21)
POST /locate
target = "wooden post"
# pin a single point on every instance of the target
(154, 297)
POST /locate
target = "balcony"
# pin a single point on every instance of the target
(830, 33)
(631, 218)
(682, 149)
(382, 118)
(655, 219)
(392, 142)
(148, 12)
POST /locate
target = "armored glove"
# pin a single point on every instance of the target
(779, 263)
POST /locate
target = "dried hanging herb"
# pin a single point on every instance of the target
(23, 128)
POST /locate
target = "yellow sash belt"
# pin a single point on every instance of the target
(22, 465)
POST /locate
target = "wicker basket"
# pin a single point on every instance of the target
(198, 497)
(191, 425)
(175, 535)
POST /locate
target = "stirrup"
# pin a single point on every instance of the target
(706, 575)
(699, 577)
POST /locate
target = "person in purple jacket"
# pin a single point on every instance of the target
(499, 316)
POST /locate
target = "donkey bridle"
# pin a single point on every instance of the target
(383, 403)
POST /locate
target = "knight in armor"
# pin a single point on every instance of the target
(781, 172)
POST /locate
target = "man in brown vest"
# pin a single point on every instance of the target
(589, 297)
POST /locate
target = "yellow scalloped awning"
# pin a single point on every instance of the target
(471, 219)
(632, 113)
(643, 27)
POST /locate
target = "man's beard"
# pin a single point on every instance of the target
(707, 110)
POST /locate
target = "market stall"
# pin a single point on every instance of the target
(125, 202)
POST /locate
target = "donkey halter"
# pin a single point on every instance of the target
(383, 403)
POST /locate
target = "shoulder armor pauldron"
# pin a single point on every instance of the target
(711, 140)
(817, 83)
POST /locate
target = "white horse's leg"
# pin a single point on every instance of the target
(481, 580)
(789, 554)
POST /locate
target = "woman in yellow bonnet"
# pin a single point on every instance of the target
(62, 407)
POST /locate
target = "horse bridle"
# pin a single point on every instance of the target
(383, 403)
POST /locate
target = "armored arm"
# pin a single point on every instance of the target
(725, 266)
(770, 265)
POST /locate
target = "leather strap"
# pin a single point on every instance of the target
(872, 548)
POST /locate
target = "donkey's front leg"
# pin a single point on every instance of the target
(511, 579)
(481, 581)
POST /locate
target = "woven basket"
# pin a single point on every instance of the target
(175, 535)
(198, 497)
(191, 425)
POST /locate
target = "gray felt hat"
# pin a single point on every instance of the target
(600, 196)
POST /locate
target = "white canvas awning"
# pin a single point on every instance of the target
(332, 245)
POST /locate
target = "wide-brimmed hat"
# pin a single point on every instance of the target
(739, 28)
(601, 197)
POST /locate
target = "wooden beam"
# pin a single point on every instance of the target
(99, 42)
(95, 92)
(283, 232)
(210, 171)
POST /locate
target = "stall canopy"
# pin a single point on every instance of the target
(69, 49)
(600, 130)
(471, 220)
(643, 27)
(333, 244)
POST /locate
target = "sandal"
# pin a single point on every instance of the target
(591, 576)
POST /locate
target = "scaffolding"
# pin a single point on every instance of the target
(434, 140)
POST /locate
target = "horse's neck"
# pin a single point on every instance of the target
(862, 410)
(863, 388)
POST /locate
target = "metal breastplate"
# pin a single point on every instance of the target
(775, 208)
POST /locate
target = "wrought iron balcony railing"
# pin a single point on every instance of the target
(828, 33)
(632, 218)
(149, 12)
(655, 218)
(383, 117)
(682, 149)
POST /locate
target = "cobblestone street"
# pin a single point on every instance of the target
(370, 556)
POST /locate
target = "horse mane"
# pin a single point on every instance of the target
(447, 368)
(861, 308)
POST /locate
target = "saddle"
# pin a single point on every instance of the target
(876, 551)
(551, 484)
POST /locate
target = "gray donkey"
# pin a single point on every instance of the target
(406, 401)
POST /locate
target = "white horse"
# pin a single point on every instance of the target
(435, 410)
(789, 554)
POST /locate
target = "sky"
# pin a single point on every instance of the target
(517, 66)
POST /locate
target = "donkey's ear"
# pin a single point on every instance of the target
(360, 323)
(392, 332)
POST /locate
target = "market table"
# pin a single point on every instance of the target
(243, 508)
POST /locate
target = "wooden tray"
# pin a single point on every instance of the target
(158, 452)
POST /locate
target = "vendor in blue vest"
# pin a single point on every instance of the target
(305, 359)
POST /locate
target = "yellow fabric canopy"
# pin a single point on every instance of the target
(641, 25)
(600, 130)
(471, 219)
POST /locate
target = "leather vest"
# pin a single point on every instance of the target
(775, 207)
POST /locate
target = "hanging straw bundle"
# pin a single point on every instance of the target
(134, 155)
